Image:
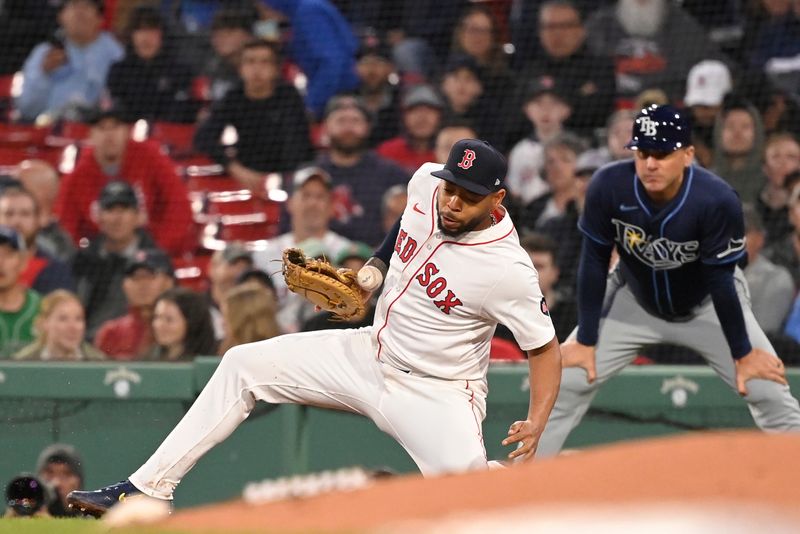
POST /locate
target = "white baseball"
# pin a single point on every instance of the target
(369, 277)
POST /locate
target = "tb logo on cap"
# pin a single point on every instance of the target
(648, 126)
(468, 159)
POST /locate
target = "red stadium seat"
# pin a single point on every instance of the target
(192, 271)
(22, 135)
(176, 137)
(11, 155)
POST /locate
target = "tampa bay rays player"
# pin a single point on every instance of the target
(455, 269)
(679, 231)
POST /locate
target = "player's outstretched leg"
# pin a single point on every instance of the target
(333, 368)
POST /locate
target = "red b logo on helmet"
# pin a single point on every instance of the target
(466, 161)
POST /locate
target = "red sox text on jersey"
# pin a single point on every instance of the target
(434, 285)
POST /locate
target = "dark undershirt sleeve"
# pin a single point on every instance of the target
(720, 283)
(386, 248)
(592, 273)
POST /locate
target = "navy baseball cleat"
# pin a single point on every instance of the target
(98, 502)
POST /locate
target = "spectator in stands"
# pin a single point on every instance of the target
(353, 257)
(376, 89)
(422, 117)
(60, 467)
(248, 313)
(462, 88)
(224, 270)
(311, 209)
(43, 273)
(560, 297)
(182, 326)
(781, 160)
(99, 268)
(23, 23)
(322, 44)
(708, 83)
(41, 179)
(547, 107)
(164, 201)
(68, 73)
(653, 43)
(771, 287)
(786, 251)
(149, 83)
(739, 148)
(393, 204)
(587, 78)
(563, 229)
(617, 134)
(265, 113)
(231, 29)
(560, 159)
(60, 330)
(773, 34)
(477, 36)
(359, 176)
(130, 337)
(18, 304)
(449, 135)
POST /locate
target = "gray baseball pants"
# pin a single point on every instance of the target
(626, 328)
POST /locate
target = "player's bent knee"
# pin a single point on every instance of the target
(573, 380)
(765, 392)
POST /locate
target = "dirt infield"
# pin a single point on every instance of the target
(725, 467)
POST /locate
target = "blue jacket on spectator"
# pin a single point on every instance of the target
(79, 82)
(323, 46)
(792, 328)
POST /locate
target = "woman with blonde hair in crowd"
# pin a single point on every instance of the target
(60, 329)
(248, 315)
(182, 326)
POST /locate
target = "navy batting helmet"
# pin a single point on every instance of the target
(662, 128)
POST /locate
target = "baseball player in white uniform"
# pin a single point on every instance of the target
(455, 269)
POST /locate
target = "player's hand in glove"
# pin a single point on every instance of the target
(330, 289)
(527, 436)
(574, 354)
(758, 364)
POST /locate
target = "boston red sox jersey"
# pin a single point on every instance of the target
(443, 296)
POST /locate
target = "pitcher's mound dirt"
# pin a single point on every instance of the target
(740, 467)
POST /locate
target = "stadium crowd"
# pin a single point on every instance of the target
(157, 157)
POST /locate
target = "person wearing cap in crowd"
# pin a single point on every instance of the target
(67, 74)
(354, 257)
(113, 156)
(359, 176)
(265, 112)
(231, 29)
(43, 273)
(419, 372)
(708, 83)
(130, 337)
(422, 117)
(150, 83)
(679, 232)
(462, 87)
(224, 269)
(563, 229)
(377, 89)
(60, 466)
(310, 209)
(19, 305)
(41, 179)
(547, 107)
(99, 268)
(565, 58)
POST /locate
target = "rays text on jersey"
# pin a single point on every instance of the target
(660, 253)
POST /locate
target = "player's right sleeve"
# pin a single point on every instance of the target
(595, 222)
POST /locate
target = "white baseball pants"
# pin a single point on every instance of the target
(438, 422)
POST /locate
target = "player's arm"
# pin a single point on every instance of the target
(544, 368)
(371, 275)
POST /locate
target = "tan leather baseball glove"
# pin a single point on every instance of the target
(331, 289)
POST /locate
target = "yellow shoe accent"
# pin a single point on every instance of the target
(121, 497)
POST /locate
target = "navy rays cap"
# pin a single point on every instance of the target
(474, 165)
(662, 128)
